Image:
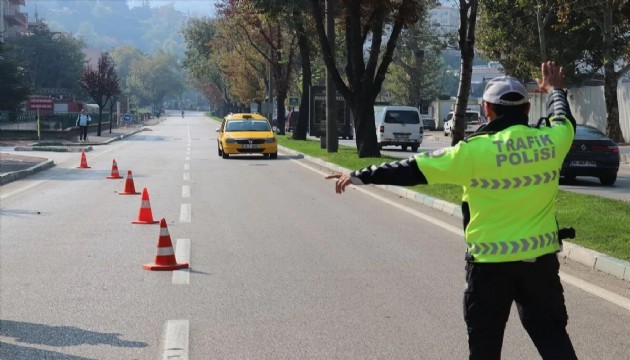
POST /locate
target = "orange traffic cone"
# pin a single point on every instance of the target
(145, 216)
(130, 189)
(84, 164)
(165, 256)
(114, 174)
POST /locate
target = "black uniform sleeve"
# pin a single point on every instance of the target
(557, 105)
(402, 172)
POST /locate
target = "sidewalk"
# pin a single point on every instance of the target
(14, 166)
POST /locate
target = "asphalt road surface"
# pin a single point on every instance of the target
(281, 266)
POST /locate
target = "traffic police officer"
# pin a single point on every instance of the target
(509, 173)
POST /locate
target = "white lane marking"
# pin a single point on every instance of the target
(596, 290)
(186, 191)
(186, 176)
(176, 340)
(186, 166)
(581, 284)
(182, 255)
(187, 158)
(185, 213)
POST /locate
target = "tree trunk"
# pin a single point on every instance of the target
(100, 115)
(467, 48)
(613, 130)
(365, 128)
(299, 130)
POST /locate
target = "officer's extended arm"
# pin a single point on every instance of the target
(558, 107)
(402, 172)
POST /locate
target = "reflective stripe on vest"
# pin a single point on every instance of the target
(515, 182)
(504, 247)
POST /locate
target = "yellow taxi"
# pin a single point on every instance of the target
(246, 134)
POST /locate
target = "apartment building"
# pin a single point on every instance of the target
(12, 21)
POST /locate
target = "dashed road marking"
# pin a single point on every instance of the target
(176, 339)
(186, 191)
(182, 255)
(185, 213)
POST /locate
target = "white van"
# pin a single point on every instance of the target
(474, 120)
(398, 126)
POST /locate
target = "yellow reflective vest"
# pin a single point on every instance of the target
(510, 181)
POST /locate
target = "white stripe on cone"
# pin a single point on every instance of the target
(165, 251)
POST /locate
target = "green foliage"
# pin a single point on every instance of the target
(49, 60)
(12, 89)
(152, 79)
(509, 33)
(123, 57)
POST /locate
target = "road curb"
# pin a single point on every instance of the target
(15, 175)
(593, 259)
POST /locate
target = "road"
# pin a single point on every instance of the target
(281, 266)
(435, 140)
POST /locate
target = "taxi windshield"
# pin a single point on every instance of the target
(247, 125)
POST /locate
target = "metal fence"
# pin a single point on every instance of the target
(28, 120)
(589, 108)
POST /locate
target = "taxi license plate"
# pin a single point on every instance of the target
(250, 146)
(582, 163)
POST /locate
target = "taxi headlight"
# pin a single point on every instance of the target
(230, 141)
(270, 140)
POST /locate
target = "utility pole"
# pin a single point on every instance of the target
(271, 56)
(332, 139)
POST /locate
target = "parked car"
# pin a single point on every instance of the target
(398, 126)
(592, 154)
(428, 123)
(246, 134)
(473, 121)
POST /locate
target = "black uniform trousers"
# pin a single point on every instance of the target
(535, 287)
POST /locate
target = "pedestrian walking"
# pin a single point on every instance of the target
(83, 121)
(509, 172)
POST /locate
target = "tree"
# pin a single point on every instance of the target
(297, 21)
(49, 60)
(203, 52)
(365, 21)
(584, 37)
(101, 84)
(522, 35)
(418, 56)
(268, 38)
(468, 22)
(610, 18)
(13, 91)
(154, 78)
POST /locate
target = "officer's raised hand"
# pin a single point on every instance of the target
(552, 77)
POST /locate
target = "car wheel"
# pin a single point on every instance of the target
(403, 147)
(273, 155)
(219, 150)
(608, 179)
(225, 155)
(414, 148)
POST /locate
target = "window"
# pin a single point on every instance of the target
(402, 117)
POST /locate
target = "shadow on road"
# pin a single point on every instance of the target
(57, 336)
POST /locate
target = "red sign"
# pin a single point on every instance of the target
(44, 104)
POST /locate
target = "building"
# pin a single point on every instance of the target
(12, 21)
(444, 19)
